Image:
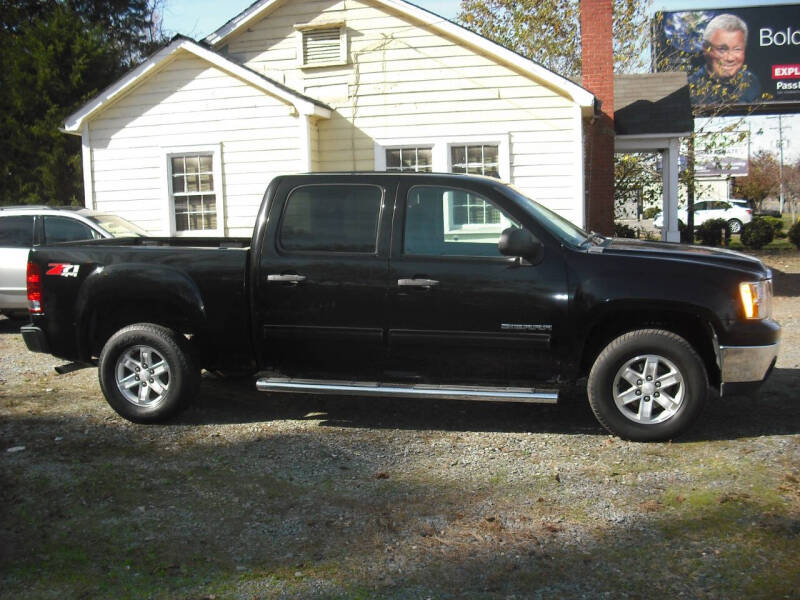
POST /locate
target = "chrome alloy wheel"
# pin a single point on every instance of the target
(648, 389)
(142, 375)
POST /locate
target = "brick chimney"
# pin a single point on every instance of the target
(598, 78)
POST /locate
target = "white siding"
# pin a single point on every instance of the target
(404, 81)
(190, 103)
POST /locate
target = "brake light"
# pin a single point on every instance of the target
(749, 211)
(34, 280)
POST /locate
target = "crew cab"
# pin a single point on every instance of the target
(410, 285)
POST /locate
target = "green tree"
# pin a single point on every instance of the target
(637, 176)
(762, 179)
(791, 176)
(56, 55)
(547, 31)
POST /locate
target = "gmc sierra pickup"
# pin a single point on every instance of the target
(413, 285)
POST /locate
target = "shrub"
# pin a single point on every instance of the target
(775, 223)
(623, 231)
(757, 234)
(713, 232)
(650, 213)
(794, 235)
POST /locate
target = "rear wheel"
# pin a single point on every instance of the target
(735, 226)
(647, 385)
(147, 373)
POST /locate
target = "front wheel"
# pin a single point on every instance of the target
(647, 385)
(147, 373)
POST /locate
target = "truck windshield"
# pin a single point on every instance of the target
(117, 226)
(561, 228)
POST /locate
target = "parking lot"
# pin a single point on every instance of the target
(247, 495)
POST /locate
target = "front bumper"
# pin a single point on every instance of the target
(745, 368)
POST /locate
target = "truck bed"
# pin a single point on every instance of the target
(197, 285)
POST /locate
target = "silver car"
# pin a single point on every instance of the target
(22, 227)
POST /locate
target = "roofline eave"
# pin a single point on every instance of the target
(73, 124)
(579, 95)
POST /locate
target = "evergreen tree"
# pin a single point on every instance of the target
(57, 55)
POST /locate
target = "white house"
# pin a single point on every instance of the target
(187, 143)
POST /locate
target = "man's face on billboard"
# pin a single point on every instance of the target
(725, 54)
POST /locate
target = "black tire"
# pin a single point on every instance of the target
(617, 395)
(735, 226)
(163, 356)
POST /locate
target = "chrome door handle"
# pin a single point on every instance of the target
(425, 283)
(286, 278)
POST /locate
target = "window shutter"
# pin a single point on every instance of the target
(321, 46)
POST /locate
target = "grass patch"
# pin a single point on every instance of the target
(777, 245)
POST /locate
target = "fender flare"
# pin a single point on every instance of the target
(139, 283)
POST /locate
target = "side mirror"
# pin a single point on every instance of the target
(519, 242)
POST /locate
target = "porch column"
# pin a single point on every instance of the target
(669, 170)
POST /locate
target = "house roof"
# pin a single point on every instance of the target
(575, 92)
(304, 104)
(652, 103)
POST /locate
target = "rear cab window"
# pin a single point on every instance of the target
(331, 218)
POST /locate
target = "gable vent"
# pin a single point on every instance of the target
(322, 46)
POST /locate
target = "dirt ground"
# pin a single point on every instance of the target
(249, 495)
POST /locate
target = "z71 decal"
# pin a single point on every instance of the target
(63, 269)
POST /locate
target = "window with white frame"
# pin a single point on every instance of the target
(409, 160)
(194, 196)
(475, 159)
(322, 45)
(469, 209)
(485, 155)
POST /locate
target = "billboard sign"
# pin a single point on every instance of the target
(735, 58)
(721, 154)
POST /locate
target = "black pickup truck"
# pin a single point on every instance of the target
(413, 285)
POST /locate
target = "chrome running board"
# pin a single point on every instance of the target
(416, 390)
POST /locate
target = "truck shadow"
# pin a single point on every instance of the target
(114, 508)
(236, 402)
(772, 411)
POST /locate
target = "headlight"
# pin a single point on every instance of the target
(756, 299)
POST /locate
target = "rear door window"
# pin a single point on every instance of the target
(332, 218)
(16, 232)
(64, 229)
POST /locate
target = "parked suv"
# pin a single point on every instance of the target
(23, 227)
(735, 213)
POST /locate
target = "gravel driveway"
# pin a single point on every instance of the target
(255, 496)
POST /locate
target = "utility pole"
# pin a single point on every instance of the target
(780, 146)
(780, 165)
